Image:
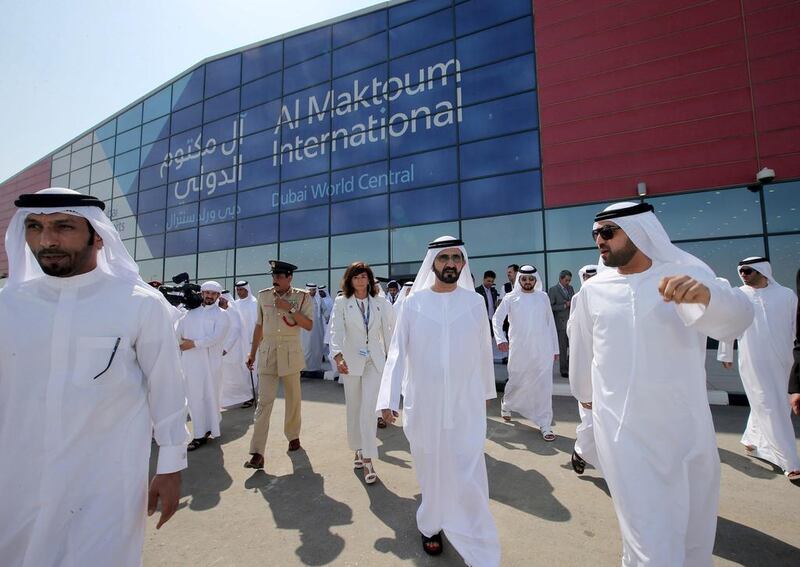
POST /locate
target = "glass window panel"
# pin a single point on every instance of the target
(336, 276)
(309, 73)
(501, 42)
(83, 142)
(182, 216)
(308, 160)
(126, 162)
(430, 168)
(130, 118)
(500, 155)
(723, 255)
(258, 201)
(128, 140)
(158, 104)
(261, 117)
(180, 264)
(261, 61)
(571, 227)
(307, 45)
(181, 242)
(253, 260)
(256, 173)
(157, 153)
(299, 105)
(188, 89)
(222, 74)
(81, 158)
(365, 113)
(784, 255)
(152, 176)
(421, 33)
(60, 181)
(149, 247)
(424, 205)
(153, 199)
(573, 261)
(423, 133)
(354, 29)
(503, 194)
(359, 215)
(126, 227)
(103, 150)
(151, 270)
(102, 170)
(370, 179)
(221, 105)
(155, 130)
(782, 206)
(254, 146)
(301, 278)
(60, 166)
(498, 264)
(436, 96)
(130, 246)
(186, 118)
(732, 212)
(258, 230)
(410, 10)
(411, 243)
(102, 190)
(215, 264)
(217, 237)
(63, 152)
(479, 14)
(218, 210)
(304, 223)
(125, 184)
(151, 223)
(306, 254)
(262, 90)
(124, 206)
(106, 130)
(497, 117)
(503, 235)
(360, 54)
(304, 192)
(221, 131)
(369, 247)
(79, 178)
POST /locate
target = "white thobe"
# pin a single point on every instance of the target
(440, 360)
(248, 309)
(312, 341)
(327, 310)
(76, 418)
(765, 359)
(652, 423)
(207, 326)
(236, 387)
(532, 345)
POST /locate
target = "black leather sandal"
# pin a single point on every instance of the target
(578, 464)
(432, 545)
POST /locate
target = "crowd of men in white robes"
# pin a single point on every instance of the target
(637, 333)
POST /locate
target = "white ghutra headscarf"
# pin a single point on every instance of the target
(527, 270)
(425, 276)
(760, 265)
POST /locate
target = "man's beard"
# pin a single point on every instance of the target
(527, 286)
(622, 256)
(447, 275)
(208, 301)
(70, 264)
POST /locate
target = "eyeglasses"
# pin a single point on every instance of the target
(605, 232)
(746, 271)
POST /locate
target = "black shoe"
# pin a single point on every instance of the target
(565, 374)
(432, 545)
(578, 464)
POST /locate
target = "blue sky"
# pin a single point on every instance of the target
(66, 66)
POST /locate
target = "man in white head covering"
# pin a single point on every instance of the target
(639, 359)
(313, 341)
(765, 359)
(531, 348)
(203, 331)
(247, 304)
(440, 360)
(89, 368)
(236, 386)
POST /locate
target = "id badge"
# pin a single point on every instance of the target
(363, 352)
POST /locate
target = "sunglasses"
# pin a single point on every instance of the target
(746, 271)
(604, 232)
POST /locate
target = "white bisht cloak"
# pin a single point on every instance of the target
(236, 388)
(313, 341)
(641, 362)
(75, 448)
(765, 359)
(440, 360)
(532, 345)
(207, 326)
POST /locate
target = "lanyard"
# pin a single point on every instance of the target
(365, 316)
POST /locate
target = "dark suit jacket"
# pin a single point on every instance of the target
(558, 303)
(794, 375)
(493, 291)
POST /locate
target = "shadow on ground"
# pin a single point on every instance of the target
(751, 548)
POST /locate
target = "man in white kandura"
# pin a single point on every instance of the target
(401, 297)
(440, 360)
(202, 332)
(236, 388)
(89, 369)
(639, 359)
(765, 359)
(313, 341)
(585, 450)
(247, 304)
(531, 348)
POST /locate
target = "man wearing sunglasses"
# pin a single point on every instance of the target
(765, 359)
(637, 359)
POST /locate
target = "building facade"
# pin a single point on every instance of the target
(366, 137)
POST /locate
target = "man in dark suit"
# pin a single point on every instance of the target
(511, 272)
(560, 300)
(491, 299)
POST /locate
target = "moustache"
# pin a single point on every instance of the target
(51, 252)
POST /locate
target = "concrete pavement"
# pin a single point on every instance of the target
(311, 508)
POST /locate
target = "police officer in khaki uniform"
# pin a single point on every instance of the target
(282, 312)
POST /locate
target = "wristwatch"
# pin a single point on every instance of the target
(293, 310)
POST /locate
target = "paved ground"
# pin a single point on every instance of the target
(311, 508)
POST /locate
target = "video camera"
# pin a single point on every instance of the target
(183, 292)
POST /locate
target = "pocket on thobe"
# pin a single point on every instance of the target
(98, 361)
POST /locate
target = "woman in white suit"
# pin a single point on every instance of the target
(361, 330)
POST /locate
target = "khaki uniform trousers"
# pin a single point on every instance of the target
(267, 392)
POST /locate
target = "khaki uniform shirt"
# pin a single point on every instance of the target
(280, 352)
